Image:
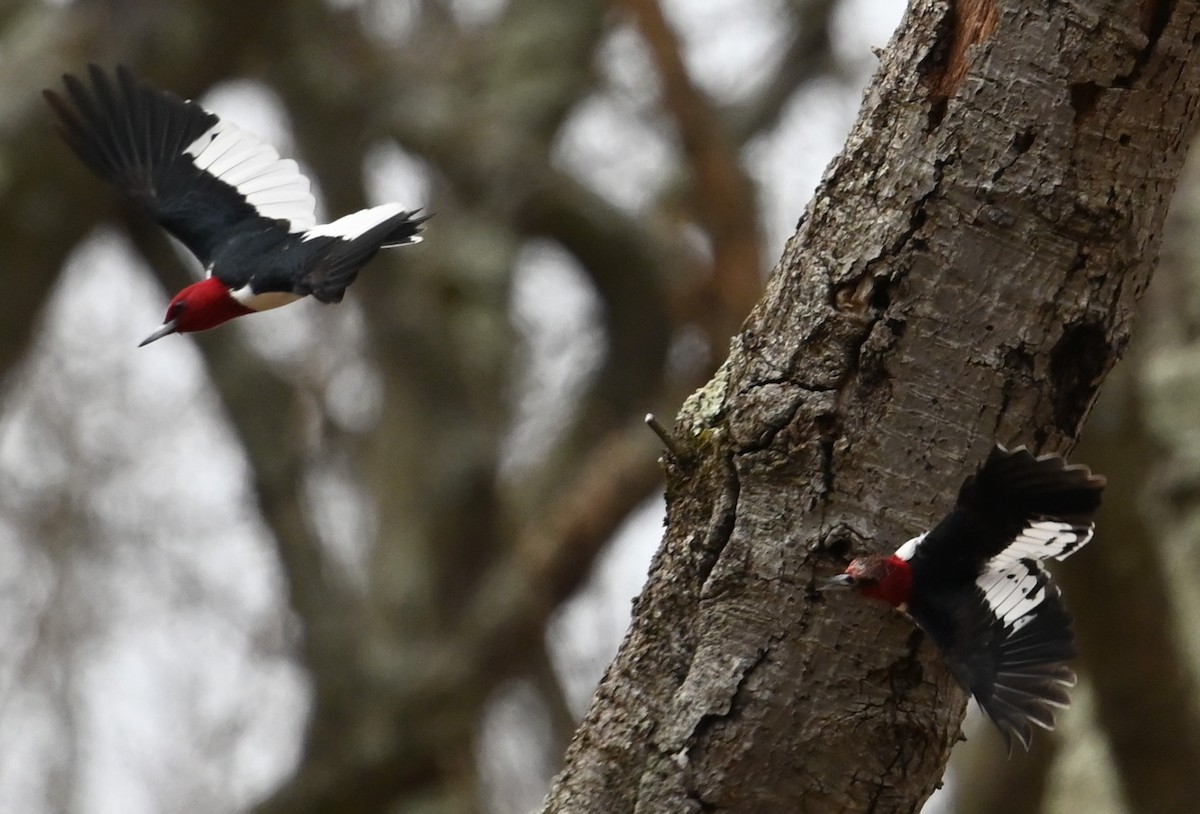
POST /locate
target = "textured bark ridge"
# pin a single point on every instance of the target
(967, 272)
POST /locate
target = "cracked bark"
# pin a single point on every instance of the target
(967, 272)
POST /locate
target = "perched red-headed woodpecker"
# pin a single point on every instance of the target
(246, 213)
(975, 584)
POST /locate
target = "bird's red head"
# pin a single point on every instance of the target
(198, 307)
(887, 578)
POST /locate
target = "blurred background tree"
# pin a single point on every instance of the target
(373, 557)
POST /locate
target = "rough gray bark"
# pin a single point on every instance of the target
(968, 271)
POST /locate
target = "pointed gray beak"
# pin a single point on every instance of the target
(838, 583)
(168, 327)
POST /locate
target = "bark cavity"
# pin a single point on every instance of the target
(1084, 96)
(1152, 19)
(1077, 363)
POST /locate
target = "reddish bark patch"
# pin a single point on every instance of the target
(971, 22)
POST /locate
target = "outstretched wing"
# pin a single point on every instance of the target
(202, 179)
(1017, 506)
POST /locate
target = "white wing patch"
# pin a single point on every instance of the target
(355, 224)
(1014, 594)
(272, 185)
(1040, 540)
(906, 551)
(1014, 582)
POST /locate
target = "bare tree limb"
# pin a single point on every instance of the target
(808, 56)
(725, 201)
(1128, 627)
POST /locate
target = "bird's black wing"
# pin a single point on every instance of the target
(339, 249)
(1009, 653)
(1017, 506)
(202, 179)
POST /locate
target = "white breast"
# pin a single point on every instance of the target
(264, 301)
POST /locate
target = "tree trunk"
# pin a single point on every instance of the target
(967, 272)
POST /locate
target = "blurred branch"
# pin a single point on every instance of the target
(262, 408)
(503, 625)
(48, 211)
(1147, 698)
(809, 54)
(628, 267)
(443, 521)
(725, 200)
(501, 163)
(554, 553)
(563, 721)
(989, 781)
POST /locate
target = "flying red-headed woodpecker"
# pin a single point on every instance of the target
(246, 213)
(976, 585)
